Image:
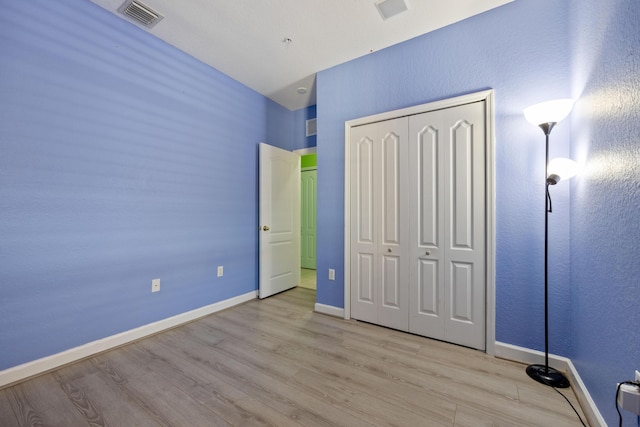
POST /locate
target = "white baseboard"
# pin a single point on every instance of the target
(330, 310)
(30, 369)
(529, 357)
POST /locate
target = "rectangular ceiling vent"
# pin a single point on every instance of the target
(389, 8)
(311, 127)
(140, 13)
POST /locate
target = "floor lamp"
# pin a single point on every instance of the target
(546, 115)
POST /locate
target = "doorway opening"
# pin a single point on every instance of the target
(308, 188)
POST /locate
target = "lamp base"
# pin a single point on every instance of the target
(548, 376)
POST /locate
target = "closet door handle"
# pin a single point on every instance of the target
(389, 250)
(265, 228)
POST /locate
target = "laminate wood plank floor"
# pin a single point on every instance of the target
(307, 278)
(275, 362)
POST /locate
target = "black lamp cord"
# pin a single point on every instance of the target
(570, 404)
(637, 384)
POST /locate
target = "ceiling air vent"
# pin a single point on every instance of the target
(389, 8)
(140, 13)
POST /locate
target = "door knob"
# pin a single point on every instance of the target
(427, 253)
(389, 250)
(265, 228)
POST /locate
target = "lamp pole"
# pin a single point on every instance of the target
(543, 373)
(547, 131)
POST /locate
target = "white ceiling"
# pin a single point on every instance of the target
(245, 38)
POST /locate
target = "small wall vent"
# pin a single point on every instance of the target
(140, 13)
(311, 127)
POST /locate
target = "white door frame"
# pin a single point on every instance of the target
(487, 97)
(303, 151)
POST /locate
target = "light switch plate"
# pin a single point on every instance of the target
(220, 271)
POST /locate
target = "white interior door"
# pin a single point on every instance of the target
(447, 184)
(379, 224)
(279, 220)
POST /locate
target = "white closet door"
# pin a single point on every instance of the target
(427, 247)
(465, 225)
(379, 223)
(447, 249)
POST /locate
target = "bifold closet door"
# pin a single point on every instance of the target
(447, 217)
(379, 223)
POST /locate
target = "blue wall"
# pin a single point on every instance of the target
(528, 51)
(122, 159)
(605, 214)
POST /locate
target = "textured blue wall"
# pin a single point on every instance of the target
(122, 159)
(501, 49)
(605, 218)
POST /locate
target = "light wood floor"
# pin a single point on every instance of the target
(275, 362)
(307, 278)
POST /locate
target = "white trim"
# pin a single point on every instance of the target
(46, 364)
(329, 309)
(488, 97)
(528, 357)
(490, 221)
(303, 151)
(347, 222)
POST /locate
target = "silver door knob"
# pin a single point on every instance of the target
(265, 228)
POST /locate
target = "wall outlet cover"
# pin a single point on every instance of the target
(155, 285)
(629, 398)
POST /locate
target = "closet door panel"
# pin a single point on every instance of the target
(364, 250)
(394, 274)
(426, 173)
(465, 225)
(379, 223)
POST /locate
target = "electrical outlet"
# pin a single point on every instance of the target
(629, 398)
(155, 285)
(332, 274)
(220, 271)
